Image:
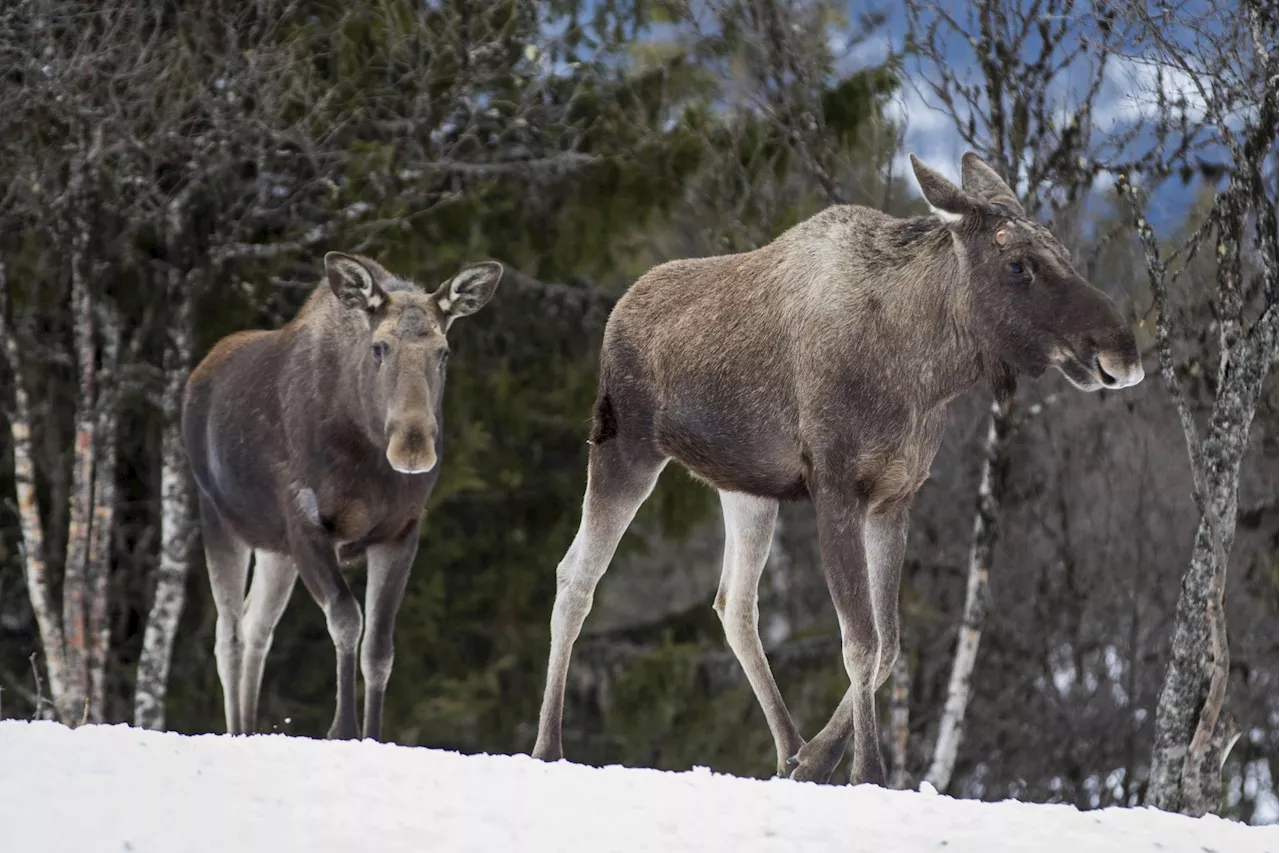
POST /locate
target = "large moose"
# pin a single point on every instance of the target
(315, 444)
(819, 367)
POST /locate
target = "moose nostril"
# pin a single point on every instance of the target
(1107, 378)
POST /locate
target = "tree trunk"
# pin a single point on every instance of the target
(1191, 730)
(74, 628)
(175, 524)
(33, 546)
(80, 193)
(986, 533)
(98, 568)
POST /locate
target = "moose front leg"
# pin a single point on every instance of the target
(886, 539)
(886, 542)
(389, 566)
(841, 537)
(318, 568)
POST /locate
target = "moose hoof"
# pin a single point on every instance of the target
(814, 765)
(548, 753)
(872, 774)
(786, 765)
(342, 732)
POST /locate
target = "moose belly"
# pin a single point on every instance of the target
(733, 454)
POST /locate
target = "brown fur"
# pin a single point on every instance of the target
(219, 353)
(819, 367)
(310, 449)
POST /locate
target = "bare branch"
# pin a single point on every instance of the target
(1156, 277)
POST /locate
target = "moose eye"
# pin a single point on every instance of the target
(379, 350)
(1016, 268)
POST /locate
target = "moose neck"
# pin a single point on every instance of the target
(926, 322)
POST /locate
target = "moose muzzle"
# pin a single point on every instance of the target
(411, 445)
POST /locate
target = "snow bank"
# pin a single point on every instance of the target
(113, 788)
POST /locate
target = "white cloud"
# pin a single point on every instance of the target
(868, 53)
(920, 116)
(1131, 92)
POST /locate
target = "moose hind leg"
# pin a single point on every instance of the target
(274, 576)
(227, 560)
(618, 481)
(748, 533)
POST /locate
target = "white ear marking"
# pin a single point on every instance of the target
(469, 290)
(358, 273)
(946, 215)
(353, 283)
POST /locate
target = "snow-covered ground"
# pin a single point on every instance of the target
(113, 788)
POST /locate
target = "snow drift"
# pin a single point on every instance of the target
(114, 788)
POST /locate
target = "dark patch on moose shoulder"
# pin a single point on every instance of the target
(885, 250)
(910, 231)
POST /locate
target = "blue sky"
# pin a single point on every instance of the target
(1124, 102)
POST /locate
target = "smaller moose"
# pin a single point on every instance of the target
(311, 446)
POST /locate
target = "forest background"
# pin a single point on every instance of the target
(1091, 580)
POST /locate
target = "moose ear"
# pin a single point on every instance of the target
(949, 202)
(985, 183)
(468, 291)
(355, 281)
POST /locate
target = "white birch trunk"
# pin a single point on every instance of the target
(33, 548)
(985, 535)
(175, 525)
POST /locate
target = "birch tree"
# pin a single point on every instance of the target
(55, 190)
(33, 540)
(1219, 61)
(176, 522)
(71, 653)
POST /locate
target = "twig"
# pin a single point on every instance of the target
(40, 700)
(1156, 269)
